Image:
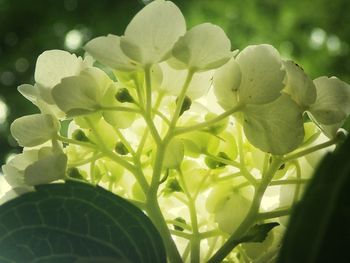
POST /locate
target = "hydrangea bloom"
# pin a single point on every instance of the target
(184, 125)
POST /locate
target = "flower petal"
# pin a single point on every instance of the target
(106, 49)
(276, 127)
(34, 129)
(47, 169)
(203, 47)
(226, 83)
(299, 86)
(151, 34)
(81, 94)
(262, 74)
(333, 100)
(52, 66)
(173, 81)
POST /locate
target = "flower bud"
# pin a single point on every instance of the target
(186, 105)
(123, 95)
(121, 149)
(180, 220)
(79, 135)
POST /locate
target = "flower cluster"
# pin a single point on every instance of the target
(171, 118)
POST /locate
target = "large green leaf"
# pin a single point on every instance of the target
(319, 229)
(76, 222)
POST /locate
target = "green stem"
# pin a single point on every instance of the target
(155, 214)
(297, 187)
(274, 214)
(195, 240)
(288, 181)
(85, 161)
(312, 149)
(148, 89)
(119, 108)
(181, 234)
(72, 141)
(205, 124)
(252, 215)
(180, 100)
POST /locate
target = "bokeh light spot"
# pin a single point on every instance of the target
(73, 39)
(7, 78)
(21, 65)
(4, 111)
(317, 38)
(334, 44)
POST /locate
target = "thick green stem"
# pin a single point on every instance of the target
(155, 214)
(252, 215)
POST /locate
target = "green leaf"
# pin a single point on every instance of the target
(76, 222)
(319, 226)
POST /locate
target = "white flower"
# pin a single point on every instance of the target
(33, 167)
(32, 130)
(148, 39)
(202, 48)
(51, 67)
(332, 105)
(299, 86)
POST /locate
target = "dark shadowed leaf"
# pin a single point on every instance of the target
(319, 229)
(76, 222)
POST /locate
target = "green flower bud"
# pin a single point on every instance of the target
(121, 149)
(171, 186)
(180, 220)
(186, 105)
(213, 164)
(123, 95)
(74, 173)
(79, 135)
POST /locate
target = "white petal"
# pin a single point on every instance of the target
(262, 74)
(299, 86)
(30, 92)
(33, 95)
(276, 127)
(173, 81)
(81, 94)
(226, 83)
(107, 50)
(34, 129)
(151, 34)
(203, 47)
(333, 100)
(50, 168)
(52, 66)
(174, 154)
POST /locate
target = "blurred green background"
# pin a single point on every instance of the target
(314, 33)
